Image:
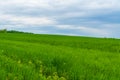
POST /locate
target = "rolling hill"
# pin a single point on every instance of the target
(26, 56)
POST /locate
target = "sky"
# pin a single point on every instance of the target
(95, 18)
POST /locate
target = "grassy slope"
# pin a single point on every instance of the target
(39, 57)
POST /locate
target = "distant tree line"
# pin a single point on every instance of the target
(3, 31)
(12, 31)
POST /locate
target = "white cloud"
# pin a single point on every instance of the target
(101, 4)
(49, 4)
(49, 11)
(90, 30)
(69, 8)
(23, 20)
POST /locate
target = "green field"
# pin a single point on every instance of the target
(52, 57)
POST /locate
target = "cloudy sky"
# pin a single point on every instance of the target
(97, 18)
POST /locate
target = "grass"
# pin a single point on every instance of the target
(53, 57)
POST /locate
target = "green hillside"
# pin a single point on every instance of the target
(51, 57)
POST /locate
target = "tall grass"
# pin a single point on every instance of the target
(52, 57)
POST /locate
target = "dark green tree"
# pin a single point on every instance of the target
(3, 31)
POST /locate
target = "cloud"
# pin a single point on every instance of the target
(77, 17)
(90, 30)
(23, 20)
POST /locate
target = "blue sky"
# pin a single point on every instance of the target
(96, 18)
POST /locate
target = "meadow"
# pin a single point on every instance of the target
(26, 56)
